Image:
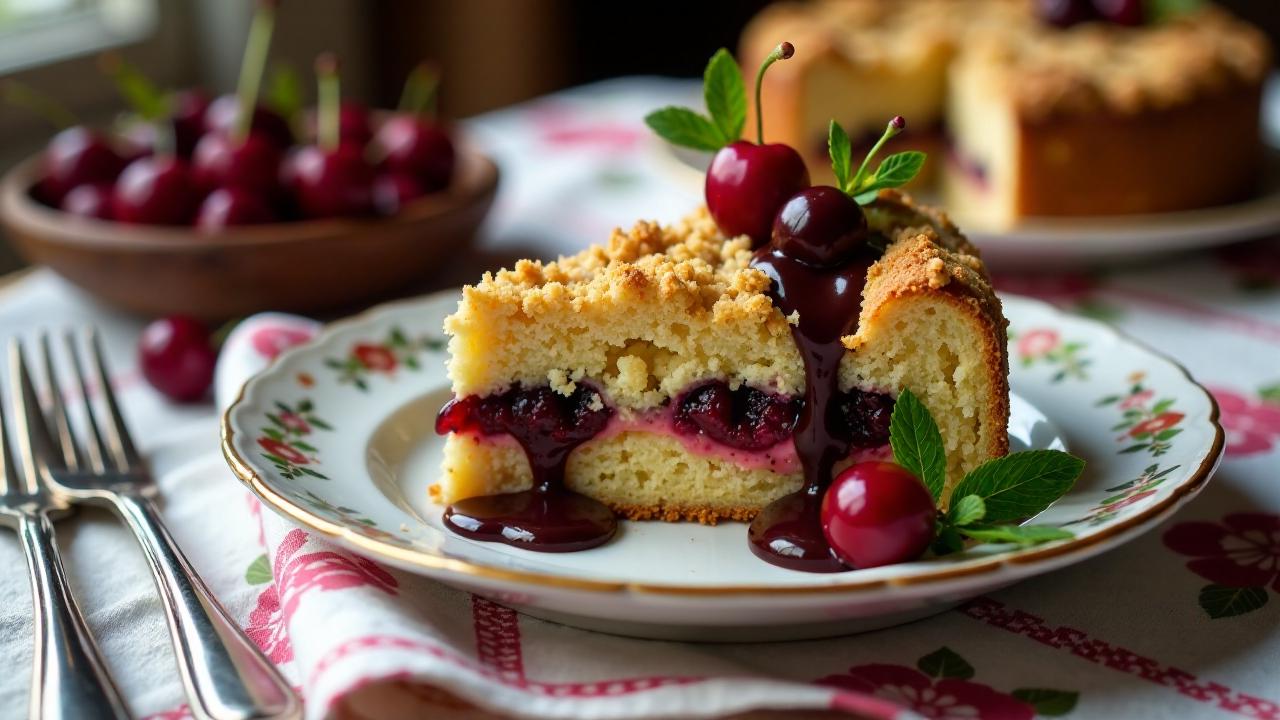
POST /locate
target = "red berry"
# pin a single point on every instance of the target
(252, 164)
(820, 226)
(177, 357)
(353, 124)
(747, 183)
(76, 156)
(155, 190)
(222, 114)
(331, 183)
(1129, 13)
(393, 191)
(226, 207)
(417, 147)
(877, 513)
(92, 200)
(1065, 13)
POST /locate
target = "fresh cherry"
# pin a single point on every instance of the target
(747, 183)
(1065, 13)
(353, 124)
(820, 226)
(189, 108)
(177, 357)
(155, 190)
(76, 156)
(222, 161)
(416, 146)
(230, 206)
(331, 183)
(91, 200)
(393, 191)
(1130, 13)
(877, 513)
(223, 113)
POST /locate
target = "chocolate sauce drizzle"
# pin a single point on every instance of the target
(788, 532)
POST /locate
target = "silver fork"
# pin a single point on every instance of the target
(223, 672)
(68, 679)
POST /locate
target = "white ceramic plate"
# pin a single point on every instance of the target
(337, 436)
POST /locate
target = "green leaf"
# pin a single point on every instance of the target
(1220, 601)
(1020, 485)
(967, 510)
(1270, 393)
(319, 423)
(841, 152)
(1108, 400)
(726, 97)
(259, 572)
(142, 95)
(313, 473)
(945, 663)
(948, 541)
(1020, 534)
(1164, 10)
(1049, 703)
(304, 447)
(1169, 434)
(305, 405)
(686, 128)
(917, 444)
(1163, 405)
(1134, 448)
(896, 170)
(283, 92)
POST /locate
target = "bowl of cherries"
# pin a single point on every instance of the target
(217, 208)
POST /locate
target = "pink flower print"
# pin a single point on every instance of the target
(267, 628)
(1163, 421)
(1038, 343)
(1137, 400)
(283, 450)
(375, 357)
(271, 340)
(323, 570)
(944, 698)
(1252, 424)
(1241, 551)
(295, 422)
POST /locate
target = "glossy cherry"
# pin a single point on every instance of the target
(353, 124)
(76, 156)
(225, 110)
(91, 200)
(821, 226)
(747, 183)
(155, 190)
(189, 108)
(230, 206)
(331, 183)
(1130, 13)
(1065, 13)
(393, 191)
(177, 357)
(877, 513)
(416, 146)
(252, 164)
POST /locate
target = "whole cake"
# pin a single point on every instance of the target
(1067, 113)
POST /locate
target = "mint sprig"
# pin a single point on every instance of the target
(985, 505)
(894, 171)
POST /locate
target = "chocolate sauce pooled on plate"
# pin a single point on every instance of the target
(788, 532)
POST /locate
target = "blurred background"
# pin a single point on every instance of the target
(492, 53)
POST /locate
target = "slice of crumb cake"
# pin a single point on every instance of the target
(663, 359)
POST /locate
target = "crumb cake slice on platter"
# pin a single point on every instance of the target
(663, 360)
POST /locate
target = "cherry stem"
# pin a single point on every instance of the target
(895, 126)
(784, 51)
(328, 102)
(421, 89)
(23, 96)
(252, 66)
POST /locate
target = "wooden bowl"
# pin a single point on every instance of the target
(305, 266)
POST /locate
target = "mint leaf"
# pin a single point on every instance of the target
(948, 541)
(1049, 703)
(945, 663)
(1020, 485)
(259, 571)
(966, 511)
(896, 170)
(841, 151)
(917, 444)
(686, 128)
(1020, 534)
(1220, 601)
(725, 95)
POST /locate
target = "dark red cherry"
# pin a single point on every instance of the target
(820, 226)
(877, 513)
(1065, 13)
(353, 124)
(418, 147)
(1130, 13)
(222, 114)
(155, 190)
(331, 183)
(252, 164)
(189, 108)
(393, 191)
(746, 418)
(230, 206)
(76, 156)
(747, 183)
(177, 357)
(92, 200)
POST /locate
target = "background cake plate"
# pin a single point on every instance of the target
(337, 436)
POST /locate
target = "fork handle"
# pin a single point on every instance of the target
(69, 679)
(225, 675)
